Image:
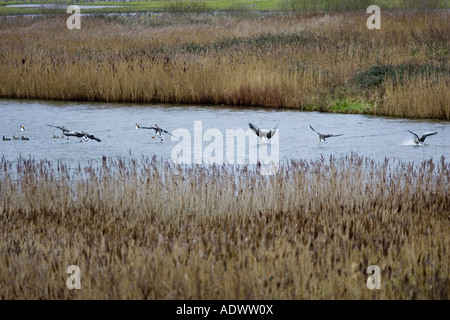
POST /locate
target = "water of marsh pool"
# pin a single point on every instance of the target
(114, 124)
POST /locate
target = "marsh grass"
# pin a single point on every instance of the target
(346, 5)
(303, 61)
(153, 230)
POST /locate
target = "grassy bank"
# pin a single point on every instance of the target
(146, 230)
(198, 6)
(314, 61)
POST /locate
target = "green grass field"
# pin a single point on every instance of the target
(145, 6)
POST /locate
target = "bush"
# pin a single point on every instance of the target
(182, 6)
(375, 76)
(324, 5)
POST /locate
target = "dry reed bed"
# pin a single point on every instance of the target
(299, 61)
(151, 230)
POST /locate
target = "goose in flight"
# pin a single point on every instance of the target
(159, 131)
(22, 128)
(67, 132)
(86, 136)
(421, 140)
(323, 137)
(261, 133)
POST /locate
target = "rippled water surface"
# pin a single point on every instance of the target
(375, 137)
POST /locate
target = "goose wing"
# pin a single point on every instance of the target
(58, 127)
(414, 134)
(327, 135)
(73, 134)
(272, 132)
(91, 136)
(141, 127)
(254, 128)
(332, 135)
(68, 133)
(314, 130)
(426, 134)
(165, 131)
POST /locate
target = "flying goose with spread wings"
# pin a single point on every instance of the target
(421, 140)
(67, 132)
(323, 137)
(86, 136)
(158, 130)
(262, 133)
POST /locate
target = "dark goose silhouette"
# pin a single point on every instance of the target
(421, 140)
(261, 133)
(323, 137)
(86, 136)
(158, 130)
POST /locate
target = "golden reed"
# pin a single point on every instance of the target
(153, 230)
(304, 61)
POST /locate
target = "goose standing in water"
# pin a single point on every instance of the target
(24, 138)
(159, 131)
(323, 137)
(6, 139)
(261, 133)
(15, 138)
(420, 141)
